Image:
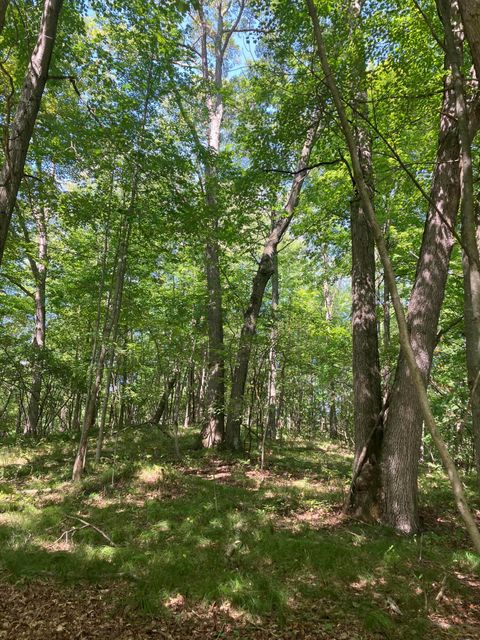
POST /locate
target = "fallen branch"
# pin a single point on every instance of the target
(89, 524)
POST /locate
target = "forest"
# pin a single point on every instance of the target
(240, 319)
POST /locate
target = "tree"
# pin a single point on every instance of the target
(22, 125)
(406, 347)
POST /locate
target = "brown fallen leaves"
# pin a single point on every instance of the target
(44, 610)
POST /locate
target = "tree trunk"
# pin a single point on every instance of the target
(403, 429)
(470, 11)
(271, 430)
(20, 129)
(103, 414)
(367, 394)
(263, 275)
(214, 427)
(160, 410)
(471, 257)
(39, 272)
(110, 326)
(406, 347)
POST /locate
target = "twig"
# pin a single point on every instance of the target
(89, 524)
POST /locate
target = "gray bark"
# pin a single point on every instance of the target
(272, 420)
(403, 430)
(470, 259)
(406, 347)
(260, 281)
(470, 11)
(367, 394)
(213, 430)
(39, 272)
(21, 127)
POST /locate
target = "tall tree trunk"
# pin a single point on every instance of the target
(470, 11)
(367, 394)
(403, 429)
(112, 317)
(214, 427)
(39, 272)
(260, 281)
(386, 304)
(406, 346)
(271, 431)
(112, 312)
(448, 12)
(328, 301)
(20, 130)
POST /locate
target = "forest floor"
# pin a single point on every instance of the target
(208, 546)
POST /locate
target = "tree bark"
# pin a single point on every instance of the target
(470, 259)
(214, 427)
(406, 347)
(272, 420)
(470, 11)
(39, 272)
(20, 130)
(111, 322)
(260, 281)
(162, 405)
(367, 393)
(403, 429)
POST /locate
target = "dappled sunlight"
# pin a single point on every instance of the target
(210, 539)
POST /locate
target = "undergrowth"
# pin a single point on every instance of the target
(211, 528)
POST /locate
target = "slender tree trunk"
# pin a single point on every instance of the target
(271, 431)
(110, 326)
(386, 313)
(260, 281)
(112, 315)
(328, 301)
(471, 262)
(406, 347)
(20, 129)
(39, 272)
(105, 400)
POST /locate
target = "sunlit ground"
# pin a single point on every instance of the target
(208, 538)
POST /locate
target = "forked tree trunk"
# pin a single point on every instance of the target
(406, 347)
(20, 130)
(260, 281)
(162, 405)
